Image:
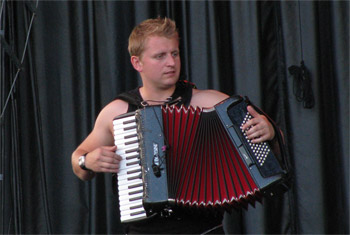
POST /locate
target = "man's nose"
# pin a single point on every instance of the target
(171, 60)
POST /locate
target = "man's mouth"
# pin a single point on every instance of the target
(170, 72)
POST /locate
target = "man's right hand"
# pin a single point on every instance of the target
(103, 159)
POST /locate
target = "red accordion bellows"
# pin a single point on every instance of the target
(204, 168)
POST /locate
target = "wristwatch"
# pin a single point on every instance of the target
(82, 162)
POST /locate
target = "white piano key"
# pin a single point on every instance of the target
(128, 207)
(131, 205)
(123, 128)
(127, 152)
(121, 120)
(126, 138)
(129, 176)
(134, 169)
(124, 134)
(129, 182)
(130, 169)
(131, 191)
(122, 148)
(117, 124)
(125, 179)
(130, 157)
(127, 157)
(130, 198)
(130, 187)
(125, 164)
(128, 218)
(122, 187)
(127, 186)
(133, 212)
(122, 175)
(124, 142)
(129, 147)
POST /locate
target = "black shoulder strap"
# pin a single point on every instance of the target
(132, 97)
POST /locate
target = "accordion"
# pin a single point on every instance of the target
(191, 157)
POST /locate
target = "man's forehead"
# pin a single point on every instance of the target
(154, 43)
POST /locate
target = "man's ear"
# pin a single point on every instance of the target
(136, 63)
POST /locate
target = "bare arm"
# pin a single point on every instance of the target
(206, 98)
(99, 145)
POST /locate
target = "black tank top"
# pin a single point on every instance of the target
(181, 96)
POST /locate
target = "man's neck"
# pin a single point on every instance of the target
(156, 95)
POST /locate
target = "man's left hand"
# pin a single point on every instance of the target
(259, 129)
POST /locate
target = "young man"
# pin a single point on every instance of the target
(154, 50)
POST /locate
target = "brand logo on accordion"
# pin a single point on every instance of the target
(156, 161)
(155, 154)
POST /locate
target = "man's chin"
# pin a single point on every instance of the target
(171, 81)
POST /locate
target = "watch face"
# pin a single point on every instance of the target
(82, 161)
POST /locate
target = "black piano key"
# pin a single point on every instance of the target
(135, 177)
(136, 192)
(132, 157)
(130, 136)
(136, 207)
(129, 121)
(132, 142)
(132, 150)
(133, 163)
(135, 186)
(134, 171)
(130, 128)
(135, 198)
(138, 213)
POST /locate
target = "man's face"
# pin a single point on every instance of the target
(159, 65)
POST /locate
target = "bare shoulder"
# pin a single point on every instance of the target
(110, 111)
(102, 133)
(207, 98)
(116, 107)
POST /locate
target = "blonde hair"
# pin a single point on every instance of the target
(163, 27)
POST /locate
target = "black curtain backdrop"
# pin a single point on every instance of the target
(76, 62)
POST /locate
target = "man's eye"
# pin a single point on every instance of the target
(160, 56)
(175, 54)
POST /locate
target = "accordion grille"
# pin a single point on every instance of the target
(203, 165)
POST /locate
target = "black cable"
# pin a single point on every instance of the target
(15, 67)
(300, 33)
(19, 69)
(39, 128)
(14, 160)
(302, 85)
(2, 130)
(2, 9)
(16, 178)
